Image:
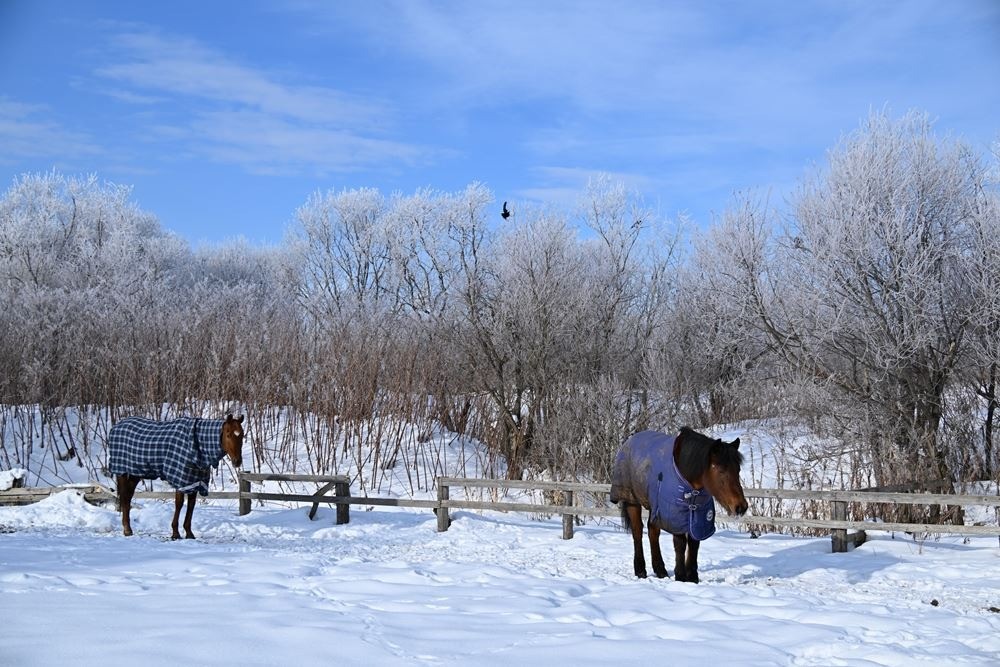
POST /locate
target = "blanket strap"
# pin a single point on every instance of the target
(197, 450)
(654, 512)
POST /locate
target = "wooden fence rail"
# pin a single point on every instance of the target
(570, 508)
(838, 524)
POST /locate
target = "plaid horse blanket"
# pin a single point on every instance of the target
(182, 452)
(645, 474)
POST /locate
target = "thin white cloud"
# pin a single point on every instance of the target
(771, 74)
(564, 186)
(235, 113)
(595, 55)
(29, 131)
(490, 53)
(274, 145)
(637, 138)
(131, 97)
(703, 98)
(182, 66)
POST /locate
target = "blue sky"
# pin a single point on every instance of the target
(226, 116)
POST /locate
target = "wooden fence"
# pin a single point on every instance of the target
(341, 485)
(570, 508)
(838, 501)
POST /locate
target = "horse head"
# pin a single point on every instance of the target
(722, 477)
(232, 439)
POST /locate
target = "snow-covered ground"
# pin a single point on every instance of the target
(274, 588)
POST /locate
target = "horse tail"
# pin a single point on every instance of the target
(626, 522)
(119, 493)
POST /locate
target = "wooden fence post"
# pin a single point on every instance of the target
(838, 536)
(320, 492)
(441, 510)
(343, 490)
(568, 518)
(244, 495)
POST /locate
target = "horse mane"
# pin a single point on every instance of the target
(694, 451)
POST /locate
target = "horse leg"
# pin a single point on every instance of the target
(178, 503)
(659, 569)
(192, 497)
(126, 489)
(680, 565)
(634, 517)
(692, 560)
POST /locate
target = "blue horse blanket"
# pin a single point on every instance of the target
(182, 452)
(645, 474)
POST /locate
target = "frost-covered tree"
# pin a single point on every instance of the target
(983, 362)
(79, 266)
(866, 291)
(630, 261)
(426, 235)
(716, 357)
(342, 243)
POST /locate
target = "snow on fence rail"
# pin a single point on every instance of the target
(569, 508)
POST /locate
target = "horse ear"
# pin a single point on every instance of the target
(736, 443)
(240, 419)
(229, 417)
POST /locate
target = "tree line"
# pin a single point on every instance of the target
(867, 306)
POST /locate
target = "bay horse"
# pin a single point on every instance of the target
(677, 478)
(182, 452)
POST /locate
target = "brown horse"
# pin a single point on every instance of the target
(676, 478)
(182, 452)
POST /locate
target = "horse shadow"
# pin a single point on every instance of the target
(859, 565)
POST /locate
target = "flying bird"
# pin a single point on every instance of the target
(505, 213)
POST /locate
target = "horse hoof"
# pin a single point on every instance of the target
(128, 533)
(641, 575)
(661, 574)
